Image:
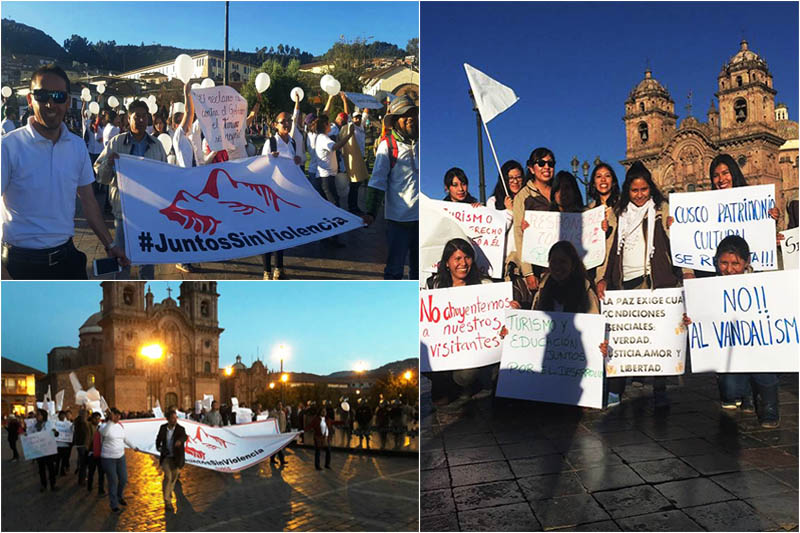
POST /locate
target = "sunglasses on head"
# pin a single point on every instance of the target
(43, 95)
(542, 163)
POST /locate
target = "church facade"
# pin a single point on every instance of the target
(109, 357)
(745, 122)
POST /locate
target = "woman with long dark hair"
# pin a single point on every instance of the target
(565, 194)
(603, 189)
(48, 463)
(565, 287)
(456, 185)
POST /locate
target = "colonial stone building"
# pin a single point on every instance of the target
(745, 123)
(19, 387)
(109, 352)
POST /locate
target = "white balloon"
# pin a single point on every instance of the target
(94, 108)
(196, 85)
(151, 98)
(101, 88)
(297, 94)
(86, 94)
(166, 142)
(262, 82)
(6, 91)
(324, 80)
(333, 87)
(184, 68)
(93, 395)
(207, 83)
(112, 101)
(152, 107)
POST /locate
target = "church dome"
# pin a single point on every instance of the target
(238, 364)
(92, 324)
(649, 86)
(744, 58)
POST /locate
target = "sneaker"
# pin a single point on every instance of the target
(267, 276)
(278, 273)
(185, 267)
(728, 404)
(122, 501)
(747, 405)
(770, 424)
(613, 399)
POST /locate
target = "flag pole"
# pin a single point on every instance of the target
(497, 162)
(481, 178)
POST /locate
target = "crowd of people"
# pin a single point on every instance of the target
(637, 236)
(37, 234)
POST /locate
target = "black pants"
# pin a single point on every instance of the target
(352, 197)
(317, 449)
(617, 385)
(61, 262)
(63, 459)
(94, 464)
(268, 260)
(47, 465)
(82, 463)
(13, 443)
(280, 456)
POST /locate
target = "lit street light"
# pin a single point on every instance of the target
(408, 375)
(154, 352)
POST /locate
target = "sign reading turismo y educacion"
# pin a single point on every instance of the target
(221, 211)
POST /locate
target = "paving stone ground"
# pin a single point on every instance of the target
(362, 257)
(360, 493)
(505, 465)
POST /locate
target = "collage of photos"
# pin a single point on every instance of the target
(237, 296)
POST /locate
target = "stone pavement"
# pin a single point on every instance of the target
(502, 465)
(363, 257)
(359, 493)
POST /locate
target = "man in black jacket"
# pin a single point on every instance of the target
(170, 440)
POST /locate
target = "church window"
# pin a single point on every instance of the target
(171, 400)
(208, 344)
(691, 187)
(742, 160)
(643, 132)
(129, 335)
(204, 308)
(207, 367)
(90, 380)
(738, 81)
(740, 110)
(130, 363)
(127, 295)
(641, 106)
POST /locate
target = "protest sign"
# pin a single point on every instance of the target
(214, 448)
(645, 329)
(221, 112)
(744, 323)
(702, 219)
(39, 444)
(60, 400)
(439, 228)
(583, 230)
(460, 326)
(485, 228)
(221, 211)
(552, 357)
(30, 423)
(363, 101)
(243, 414)
(157, 412)
(790, 246)
(207, 400)
(64, 431)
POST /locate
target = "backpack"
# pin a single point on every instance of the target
(392, 143)
(273, 144)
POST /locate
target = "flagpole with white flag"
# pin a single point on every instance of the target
(491, 99)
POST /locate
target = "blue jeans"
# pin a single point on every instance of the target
(402, 241)
(145, 271)
(117, 473)
(737, 386)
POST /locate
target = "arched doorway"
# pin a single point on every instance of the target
(171, 400)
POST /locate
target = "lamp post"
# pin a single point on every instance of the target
(577, 165)
(154, 352)
(481, 177)
(284, 380)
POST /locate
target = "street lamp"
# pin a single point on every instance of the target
(360, 367)
(284, 379)
(272, 385)
(154, 352)
(408, 375)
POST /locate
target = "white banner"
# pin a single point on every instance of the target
(221, 112)
(40, 444)
(553, 357)
(364, 101)
(702, 219)
(214, 448)
(744, 323)
(460, 326)
(646, 336)
(219, 212)
(485, 228)
(790, 245)
(583, 230)
(64, 431)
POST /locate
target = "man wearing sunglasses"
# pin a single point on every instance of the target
(44, 167)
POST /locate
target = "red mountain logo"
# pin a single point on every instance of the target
(219, 199)
(204, 438)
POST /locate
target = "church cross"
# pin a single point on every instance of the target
(689, 105)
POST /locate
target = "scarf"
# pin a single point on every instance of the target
(631, 219)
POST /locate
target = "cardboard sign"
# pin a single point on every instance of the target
(790, 245)
(486, 229)
(222, 113)
(702, 219)
(646, 336)
(353, 160)
(583, 230)
(744, 323)
(222, 211)
(553, 357)
(39, 444)
(65, 431)
(460, 326)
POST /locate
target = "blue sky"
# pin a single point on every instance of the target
(573, 64)
(310, 26)
(328, 326)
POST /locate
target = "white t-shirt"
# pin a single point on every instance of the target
(113, 441)
(401, 182)
(361, 139)
(197, 142)
(183, 149)
(40, 181)
(634, 261)
(109, 132)
(314, 162)
(326, 156)
(284, 148)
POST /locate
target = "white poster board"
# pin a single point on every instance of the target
(744, 323)
(553, 357)
(790, 245)
(207, 400)
(646, 336)
(702, 219)
(485, 229)
(39, 444)
(221, 112)
(65, 431)
(460, 326)
(583, 230)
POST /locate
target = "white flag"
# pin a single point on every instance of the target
(59, 400)
(491, 96)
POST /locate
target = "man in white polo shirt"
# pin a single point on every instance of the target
(44, 166)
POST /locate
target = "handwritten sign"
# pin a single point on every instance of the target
(553, 357)
(702, 219)
(30, 424)
(645, 329)
(460, 326)
(40, 444)
(486, 229)
(64, 431)
(221, 112)
(744, 323)
(790, 245)
(583, 230)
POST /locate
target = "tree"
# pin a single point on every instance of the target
(277, 98)
(412, 48)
